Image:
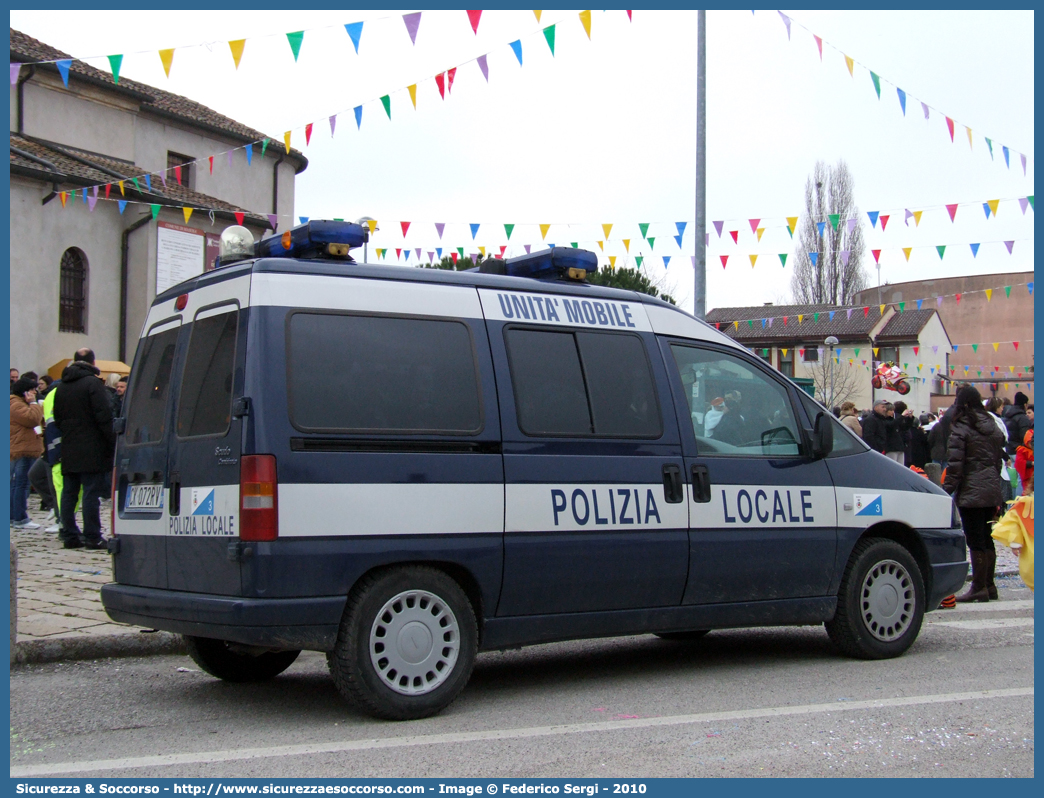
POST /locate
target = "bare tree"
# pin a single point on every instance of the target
(835, 382)
(837, 273)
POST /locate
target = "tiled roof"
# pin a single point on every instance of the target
(27, 49)
(71, 170)
(844, 325)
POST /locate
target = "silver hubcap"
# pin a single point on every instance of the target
(887, 600)
(414, 642)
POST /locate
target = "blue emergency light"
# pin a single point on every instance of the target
(320, 238)
(554, 263)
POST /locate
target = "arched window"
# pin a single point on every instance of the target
(72, 302)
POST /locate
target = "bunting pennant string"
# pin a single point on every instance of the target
(295, 38)
(877, 80)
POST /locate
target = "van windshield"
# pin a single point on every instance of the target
(150, 384)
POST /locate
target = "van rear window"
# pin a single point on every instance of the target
(205, 406)
(375, 374)
(150, 384)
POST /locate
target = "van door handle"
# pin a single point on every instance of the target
(673, 492)
(701, 487)
(175, 493)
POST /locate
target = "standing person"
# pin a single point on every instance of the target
(1017, 422)
(904, 424)
(973, 479)
(920, 453)
(14, 377)
(939, 436)
(1024, 464)
(121, 390)
(877, 426)
(83, 414)
(26, 416)
(850, 419)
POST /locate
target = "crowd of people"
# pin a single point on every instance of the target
(62, 444)
(985, 451)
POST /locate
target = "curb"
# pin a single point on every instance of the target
(130, 644)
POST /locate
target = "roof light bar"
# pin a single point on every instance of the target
(548, 264)
(319, 238)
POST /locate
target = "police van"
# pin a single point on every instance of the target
(404, 467)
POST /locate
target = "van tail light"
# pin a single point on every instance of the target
(258, 498)
(115, 501)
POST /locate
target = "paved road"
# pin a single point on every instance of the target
(764, 702)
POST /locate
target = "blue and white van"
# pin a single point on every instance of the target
(404, 467)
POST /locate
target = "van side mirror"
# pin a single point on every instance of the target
(822, 436)
(119, 425)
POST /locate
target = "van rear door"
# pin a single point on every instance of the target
(142, 498)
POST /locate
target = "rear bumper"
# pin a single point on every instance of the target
(947, 579)
(286, 623)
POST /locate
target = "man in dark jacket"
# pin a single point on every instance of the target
(83, 413)
(939, 436)
(1017, 422)
(879, 430)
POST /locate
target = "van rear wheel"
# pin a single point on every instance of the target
(880, 605)
(235, 663)
(406, 645)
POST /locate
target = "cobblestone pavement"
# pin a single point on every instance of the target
(59, 589)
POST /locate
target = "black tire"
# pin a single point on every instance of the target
(880, 605)
(683, 637)
(218, 659)
(417, 677)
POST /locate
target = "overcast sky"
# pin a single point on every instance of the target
(604, 130)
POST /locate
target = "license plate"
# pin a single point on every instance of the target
(143, 498)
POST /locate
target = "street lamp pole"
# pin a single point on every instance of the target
(831, 342)
(364, 222)
(699, 303)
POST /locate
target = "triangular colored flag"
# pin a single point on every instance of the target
(612, 261)
(155, 211)
(924, 107)
(759, 233)
(333, 124)
(949, 126)
(724, 260)
(952, 210)
(958, 298)
(884, 221)
(877, 255)
(249, 149)
(412, 24)
(308, 134)
(439, 227)
(405, 226)
(1016, 344)
(845, 255)
(286, 140)
(273, 221)
(902, 307)
(850, 64)
(358, 117)
(873, 217)
(786, 21)
(575, 244)
(866, 312)
(877, 83)
(1007, 161)
(1007, 292)
(167, 57)
(652, 242)
(819, 44)
(516, 47)
(114, 63)
(483, 66)
(996, 347)
(902, 99)
(450, 74)
(882, 307)
(638, 259)
(186, 212)
(109, 186)
(509, 228)
(431, 256)
(386, 102)
(1023, 204)
(605, 231)
(398, 252)
(63, 66)
(970, 144)
(666, 260)
(177, 173)
(304, 219)
(1009, 245)
(753, 258)
(852, 223)
(835, 219)
(412, 89)
(1023, 158)
(989, 294)
(718, 226)
(681, 227)
(295, 40)
(941, 250)
(354, 33)
(974, 249)
(438, 251)
(783, 259)
(1029, 286)
(543, 231)
(907, 251)
(975, 348)
(917, 218)
(264, 141)
(644, 227)
(754, 224)
(483, 251)
(815, 258)
(474, 230)
(236, 46)
(123, 206)
(549, 35)
(993, 205)
(585, 20)
(735, 235)
(821, 226)
(792, 224)
(240, 216)
(537, 15)
(473, 18)
(92, 200)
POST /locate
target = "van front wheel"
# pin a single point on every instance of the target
(880, 605)
(235, 663)
(406, 645)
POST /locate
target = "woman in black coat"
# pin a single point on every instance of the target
(973, 479)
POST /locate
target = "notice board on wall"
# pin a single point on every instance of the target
(180, 254)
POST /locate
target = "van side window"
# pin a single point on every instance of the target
(736, 410)
(205, 406)
(845, 440)
(582, 383)
(377, 374)
(147, 404)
